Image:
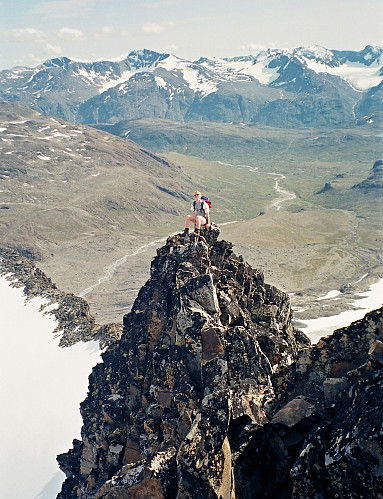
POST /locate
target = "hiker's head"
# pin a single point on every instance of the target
(197, 194)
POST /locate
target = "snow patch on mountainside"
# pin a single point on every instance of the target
(258, 69)
(197, 82)
(191, 74)
(126, 75)
(359, 76)
(160, 82)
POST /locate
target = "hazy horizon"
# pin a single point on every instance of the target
(33, 31)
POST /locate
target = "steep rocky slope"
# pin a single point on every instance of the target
(212, 393)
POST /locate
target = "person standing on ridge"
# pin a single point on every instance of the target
(200, 217)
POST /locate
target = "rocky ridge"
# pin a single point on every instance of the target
(374, 183)
(74, 320)
(211, 392)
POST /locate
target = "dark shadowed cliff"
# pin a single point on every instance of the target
(211, 392)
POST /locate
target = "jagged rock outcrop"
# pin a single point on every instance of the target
(72, 314)
(343, 456)
(193, 367)
(374, 183)
(341, 377)
(327, 187)
(211, 392)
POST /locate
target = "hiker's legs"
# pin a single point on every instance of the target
(199, 221)
(196, 220)
(189, 218)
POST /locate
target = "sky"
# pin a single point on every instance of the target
(32, 31)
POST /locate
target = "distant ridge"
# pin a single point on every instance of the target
(291, 88)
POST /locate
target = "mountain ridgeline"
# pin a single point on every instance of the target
(211, 392)
(302, 87)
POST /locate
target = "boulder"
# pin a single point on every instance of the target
(293, 412)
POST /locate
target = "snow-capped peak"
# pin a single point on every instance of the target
(350, 66)
(361, 69)
(192, 72)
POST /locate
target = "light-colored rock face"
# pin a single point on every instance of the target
(376, 351)
(293, 412)
(211, 392)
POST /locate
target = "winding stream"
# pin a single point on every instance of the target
(282, 194)
(110, 269)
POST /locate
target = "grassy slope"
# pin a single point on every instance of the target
(78, 200)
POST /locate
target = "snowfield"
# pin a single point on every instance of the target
(41, 388)
(363, 303)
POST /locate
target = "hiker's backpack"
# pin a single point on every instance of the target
(203, 198)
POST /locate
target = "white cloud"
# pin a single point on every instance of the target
(107, 30)
(25, 35)
(104, 31)
(53, 50)
(152, 29)
(70, 34)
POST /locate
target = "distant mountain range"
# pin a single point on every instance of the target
(301, 87)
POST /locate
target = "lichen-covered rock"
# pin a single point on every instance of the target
(336, 355)
(211, 392)
(345, 458)
(354, 455)
(197, 354)
(342, 455)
